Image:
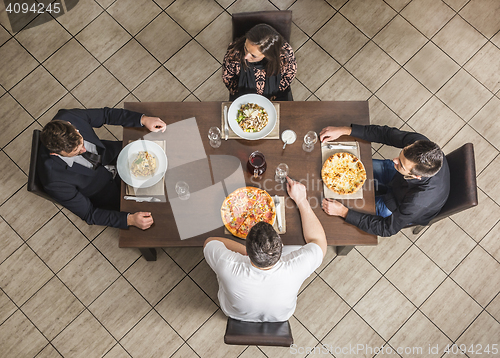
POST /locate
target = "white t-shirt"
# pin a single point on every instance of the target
(249, 294)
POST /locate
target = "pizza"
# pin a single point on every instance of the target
(244, 208)
(343, 173)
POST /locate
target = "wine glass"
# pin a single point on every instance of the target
(309, 140)
(214, 135)
(182, 189)
(281, 173)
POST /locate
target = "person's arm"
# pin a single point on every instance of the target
(230, 244)
(311, 227)
(386, 135)
(154, 124)
(230, 72)
(332, 133)
(288, 67)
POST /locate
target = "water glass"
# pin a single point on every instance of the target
(182, 189)
(214, 135)
(281, 173)
(309, 140)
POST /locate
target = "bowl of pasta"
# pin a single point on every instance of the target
(142, 163)
(252, 116)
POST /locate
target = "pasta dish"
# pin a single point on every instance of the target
(252, 118)
(143, 165)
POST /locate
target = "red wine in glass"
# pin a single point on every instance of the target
(257, 164)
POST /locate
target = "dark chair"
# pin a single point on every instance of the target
(34, 184)
(280, 20)
(258, 333)
(463, 188)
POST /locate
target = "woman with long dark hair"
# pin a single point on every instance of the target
(260, 62)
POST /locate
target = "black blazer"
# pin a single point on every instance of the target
(89, 194)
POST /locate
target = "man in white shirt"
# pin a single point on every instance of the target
(259, 282)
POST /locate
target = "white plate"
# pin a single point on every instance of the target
(259, 100)
(127, 156)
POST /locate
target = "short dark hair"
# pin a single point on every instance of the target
(263, 245)
(427, 157)
(268, 40)
(59, 135)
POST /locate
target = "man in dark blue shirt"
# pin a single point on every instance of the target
(410, 189)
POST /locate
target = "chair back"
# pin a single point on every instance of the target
(463, 187)
(280, 20)
(258, 333)
(34, 184)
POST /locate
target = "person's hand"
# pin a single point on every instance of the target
(142, 220)
(154, 124)
(296, 190)
(332, 133)
(333, 207)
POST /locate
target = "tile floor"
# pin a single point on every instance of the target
(433, 66)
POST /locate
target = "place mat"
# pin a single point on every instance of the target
(275, 133)
(275, 225)
(326, 153)
(157, 189)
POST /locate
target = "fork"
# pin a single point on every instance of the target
(277, 204)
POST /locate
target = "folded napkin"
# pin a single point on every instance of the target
(157, 189)
(275, 133)
(326, 153)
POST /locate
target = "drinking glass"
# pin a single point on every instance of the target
(281, 173)
(182, 189)
(309, 140)
(214, 136)
(256, 164)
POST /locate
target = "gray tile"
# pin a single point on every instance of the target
(103, 37)
(11, 178)
(397, 5)
(459, 40)
(107, 243)
(192, 65)
(4, 36)
(487, 179)
(403, 102)
(193, 16)
(484, 15)
(199, 308)
(133, 15)
(388, 250)
(131, 64)
(71, 64)
(152, 337)
(154, 280)
(485, 67)
(216, 36)
(340, 38)
(68, 102)
(282, 4)
(415, 275)
(15, 63)
(337, 4)
(310, 15)
(21, 145)
(319, 308)
(297, 37)
(428, 16)
(27, 212)
(205, 277)
(342, 86)
(99, 90)
(52, 308)
(314, 65)
(7, 307)
(380, 114)
(482, 331)
(186, 257)
(456, 4)
(350, 276)
(494, 307)
(161, 86)
(163, 37)
(370, 16)
(213, 89)
(400, 40)
(117, 352)
(88, 275)
(486, 122)
(27, 92)
(90, 231)
(83, 337)
(451, 247)
(300, 92)
(9, 240)
(80, 16)
(22, 274)
(48, 352)
(451, 309)
(119, 308)
(247, 6)
(384, 308)
(491, 243)
(432, 67)
(464, 95)
(20, 338)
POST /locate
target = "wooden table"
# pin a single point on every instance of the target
(306, 167)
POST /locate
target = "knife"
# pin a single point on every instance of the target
(278, 211)
(140, 199)
(339, 146)
(226, 130)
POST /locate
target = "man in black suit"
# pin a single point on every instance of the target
(76, 166)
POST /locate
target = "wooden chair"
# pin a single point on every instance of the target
(258, 333)
(463, 188)
(34, 184)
